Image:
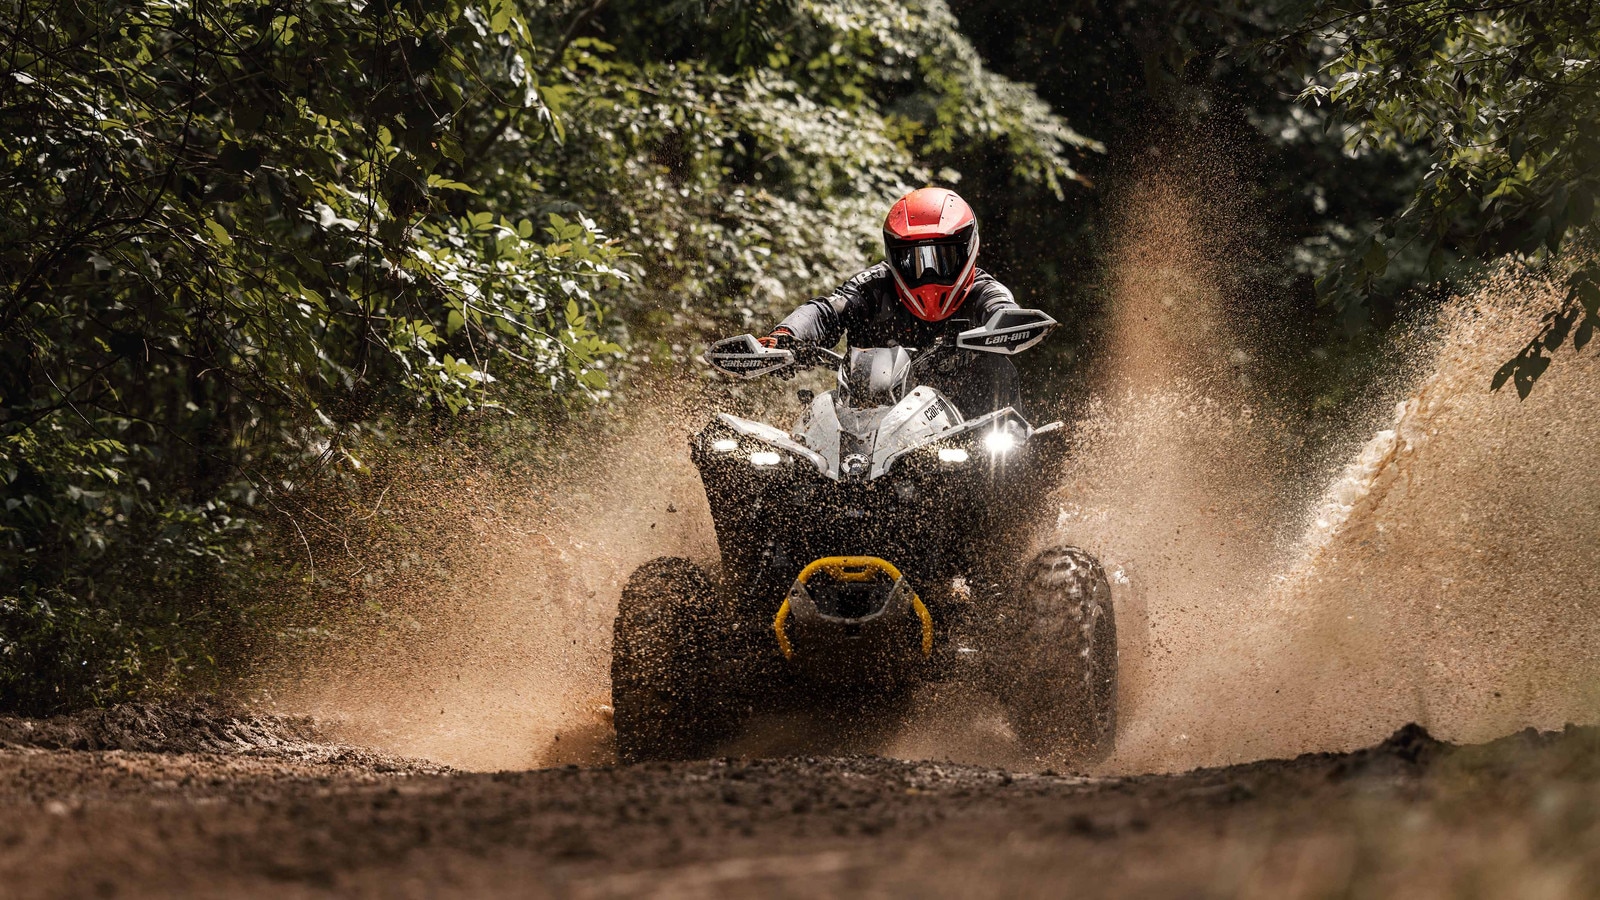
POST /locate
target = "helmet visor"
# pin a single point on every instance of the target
(930, 262)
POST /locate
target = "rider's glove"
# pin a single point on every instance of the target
(782, 339)
(779, 339)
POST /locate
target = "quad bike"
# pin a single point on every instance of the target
(868, 550)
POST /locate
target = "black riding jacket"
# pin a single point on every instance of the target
(867, 310)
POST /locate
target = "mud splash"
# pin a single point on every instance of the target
(1466, 537)
(1442, 576)
(502, 662)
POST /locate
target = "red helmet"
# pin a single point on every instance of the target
(931, 241)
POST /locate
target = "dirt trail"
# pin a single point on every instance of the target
(270, 816)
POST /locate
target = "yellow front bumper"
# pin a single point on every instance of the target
(851, 569)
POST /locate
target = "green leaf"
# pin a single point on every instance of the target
(1558, 328)
(1377, 259)
(1504, 373)
(454, 322)
(1585, 331)
(500, 18)
(1528, 373)
(442, 183)
(217, 231)
(1588, 291)
(450, 149)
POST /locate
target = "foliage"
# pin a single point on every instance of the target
(1505, 97)
(243, 243)
(225, 238)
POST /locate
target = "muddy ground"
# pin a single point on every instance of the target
(160, 801)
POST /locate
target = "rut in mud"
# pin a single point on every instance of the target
(1411, 814)
(197, 726)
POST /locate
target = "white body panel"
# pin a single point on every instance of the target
(882, 434)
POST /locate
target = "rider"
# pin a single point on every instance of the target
(929, 275)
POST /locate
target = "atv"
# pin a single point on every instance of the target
(868, 550)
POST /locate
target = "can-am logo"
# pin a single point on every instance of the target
(1015, 337)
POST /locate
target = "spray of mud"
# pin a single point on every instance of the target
(501, 660)
(1443, 576)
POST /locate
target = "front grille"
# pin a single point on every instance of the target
(849, 600)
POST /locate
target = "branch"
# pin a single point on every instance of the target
(571, 33)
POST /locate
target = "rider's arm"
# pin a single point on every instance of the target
(823, 321)
(988, 297)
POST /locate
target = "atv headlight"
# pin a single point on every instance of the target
(999, 443)
(724, 445)
(765, 458)
(953, 455)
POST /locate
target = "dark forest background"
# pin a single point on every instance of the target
(251, 251)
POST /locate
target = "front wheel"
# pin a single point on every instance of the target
(668, 695)
(1060, 693)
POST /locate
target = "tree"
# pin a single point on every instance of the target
(225, 240)
(747, 151)
(1505, 96)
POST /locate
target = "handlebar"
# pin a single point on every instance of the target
(810, 356)
(1008, 331)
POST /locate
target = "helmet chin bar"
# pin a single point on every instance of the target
(935, 302)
